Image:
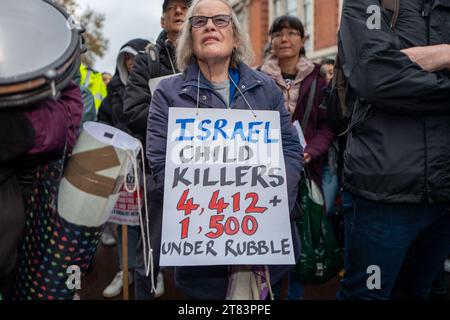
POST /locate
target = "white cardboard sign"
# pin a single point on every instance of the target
(225, 196)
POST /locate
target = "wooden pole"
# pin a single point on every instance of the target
(125, 261)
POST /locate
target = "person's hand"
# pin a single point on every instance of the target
(307, 157)
(430, 58)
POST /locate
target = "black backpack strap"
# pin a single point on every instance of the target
(393, 5)
(309, 105)
(153, 60)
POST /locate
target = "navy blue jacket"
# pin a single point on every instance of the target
(262, 94)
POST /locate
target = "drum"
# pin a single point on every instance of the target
(52, 246)
(95, 173)
(66, 212)
(40, 47)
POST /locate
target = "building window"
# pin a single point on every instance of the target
(307, 22)
(291, 7)
(277, 7)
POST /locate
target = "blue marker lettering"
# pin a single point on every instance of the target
(182, 136)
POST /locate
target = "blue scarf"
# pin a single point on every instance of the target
(234, 74)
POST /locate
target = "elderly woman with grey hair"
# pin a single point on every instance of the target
(212, 52)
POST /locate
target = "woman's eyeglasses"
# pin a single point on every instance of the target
(290, 34)
(220, 21)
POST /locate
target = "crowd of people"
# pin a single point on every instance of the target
(385, 181)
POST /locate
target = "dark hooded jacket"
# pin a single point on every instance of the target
(111, 109)
(137, 92)
(137, 99)
(398, 148)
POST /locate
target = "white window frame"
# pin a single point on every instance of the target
(293, 11)
(308, 8)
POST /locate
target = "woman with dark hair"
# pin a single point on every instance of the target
(299, 78)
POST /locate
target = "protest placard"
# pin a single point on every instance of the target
(225, 195)
(126, 209)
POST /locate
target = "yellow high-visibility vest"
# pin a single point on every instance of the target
(94, 82)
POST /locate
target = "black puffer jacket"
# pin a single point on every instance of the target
(398, 148)
(136, 108)
(137, 92)
(111, 109)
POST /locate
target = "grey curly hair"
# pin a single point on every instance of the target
(185, 48)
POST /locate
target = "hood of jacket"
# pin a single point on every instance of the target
(167, 53)
(132, 47)
(272, 68)
(291, 92)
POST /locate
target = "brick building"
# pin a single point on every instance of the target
(320, 17)
(254, 16)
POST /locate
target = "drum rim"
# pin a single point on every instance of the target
(39, 76)
(42, 92)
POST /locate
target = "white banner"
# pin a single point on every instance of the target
(126, 209)
(225, 196)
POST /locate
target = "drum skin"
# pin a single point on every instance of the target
(46, 57)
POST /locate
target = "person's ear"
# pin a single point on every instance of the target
(304, 39)
(163, 22)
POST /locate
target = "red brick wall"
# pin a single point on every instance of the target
(326, 19)
(258, 19)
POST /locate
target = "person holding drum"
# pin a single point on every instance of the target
(157, 61)
(16, 137)
(40, 112)
(30, 136)
(213, 53)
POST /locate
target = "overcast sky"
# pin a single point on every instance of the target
(125, 20)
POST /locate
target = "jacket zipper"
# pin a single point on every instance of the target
(365, 116)
(289, 96)
(426, 11)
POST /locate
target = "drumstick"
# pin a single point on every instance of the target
(125, 261)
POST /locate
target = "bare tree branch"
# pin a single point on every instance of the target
(93, 22)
